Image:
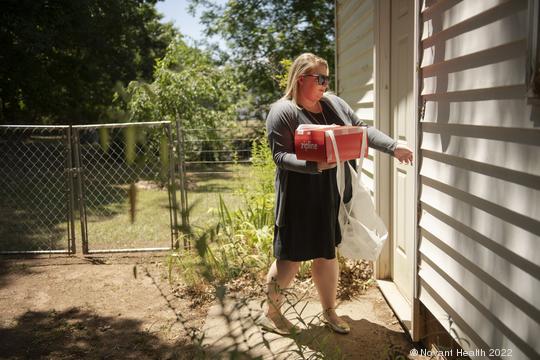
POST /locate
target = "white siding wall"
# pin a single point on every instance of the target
(480, 176)
(354, 55)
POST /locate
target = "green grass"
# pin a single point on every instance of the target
(109, 218)
(204, 191)
(151, 226)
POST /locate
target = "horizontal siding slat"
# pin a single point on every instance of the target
(467, 235)
(431, 8)
(498, 172)
(363, 61)
(368, 166)
(483, 324)
(362, 48)
(347, 8)
(363, 76)
(365, 30)
(506, 113)
(513, 156)
(480, 58)
(523, 221)
(348, 20)
(507, 30)
(361, 87)
(494, 231)
(505, 73)
(351, 98)
(472, 24)
(367, 98)
(365, 114)
(508, 134)
(506, 194)
(508, 320)
(357, 76)
(365, 105)
(493, 93)
(509, 280)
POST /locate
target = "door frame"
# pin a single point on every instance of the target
(407, 313)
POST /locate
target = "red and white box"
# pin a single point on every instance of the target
(311, 142)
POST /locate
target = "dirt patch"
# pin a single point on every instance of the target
(119, 307)
(71, 308)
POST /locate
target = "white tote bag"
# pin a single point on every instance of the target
(363, 233)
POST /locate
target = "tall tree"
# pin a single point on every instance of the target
(260, 34)
(190, 88)
(60, 59)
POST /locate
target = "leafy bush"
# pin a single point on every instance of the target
(241, 241)
(191, 89)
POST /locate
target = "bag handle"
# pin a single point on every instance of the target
(362, 150)
(340, 173)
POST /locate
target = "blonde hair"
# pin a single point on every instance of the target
(301, 65)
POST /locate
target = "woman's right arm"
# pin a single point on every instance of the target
(281, 123)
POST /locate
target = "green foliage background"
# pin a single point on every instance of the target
(261, 34)
(61, 59)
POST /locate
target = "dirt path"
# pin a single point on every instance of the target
(375, 331)
(124, 308)
(101, 308)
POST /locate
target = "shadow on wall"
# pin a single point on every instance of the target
(480, 170)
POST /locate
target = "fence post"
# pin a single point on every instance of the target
(183, 190)
(80, 190)
(172, 187)
(71, 193)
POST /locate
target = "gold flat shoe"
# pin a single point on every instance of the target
(340, 326)
(285, 328)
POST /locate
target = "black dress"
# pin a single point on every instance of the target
(312, 200)
(307, 202)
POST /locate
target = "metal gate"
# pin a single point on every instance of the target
(111, 185)
(35, 190)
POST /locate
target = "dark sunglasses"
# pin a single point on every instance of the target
(321, 79)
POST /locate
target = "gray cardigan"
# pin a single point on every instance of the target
(283, 119)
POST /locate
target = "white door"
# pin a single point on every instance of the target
(403, 130)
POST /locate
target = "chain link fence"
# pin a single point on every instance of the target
(126, 183)
(35, 188)
(111, 186)
(216, 163)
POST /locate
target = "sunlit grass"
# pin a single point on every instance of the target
(204, 191)
(152, 227)
(109, 218)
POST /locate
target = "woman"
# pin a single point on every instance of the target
(307, 199)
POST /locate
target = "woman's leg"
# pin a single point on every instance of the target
(279, 277)
(325, 274)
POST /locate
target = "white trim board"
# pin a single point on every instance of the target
(400, 306)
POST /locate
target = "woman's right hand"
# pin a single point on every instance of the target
(325, 166)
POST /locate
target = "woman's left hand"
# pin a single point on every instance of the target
(403, 154)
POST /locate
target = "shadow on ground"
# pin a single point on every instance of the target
(75, 334)
(367, 340)
(7, 269)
